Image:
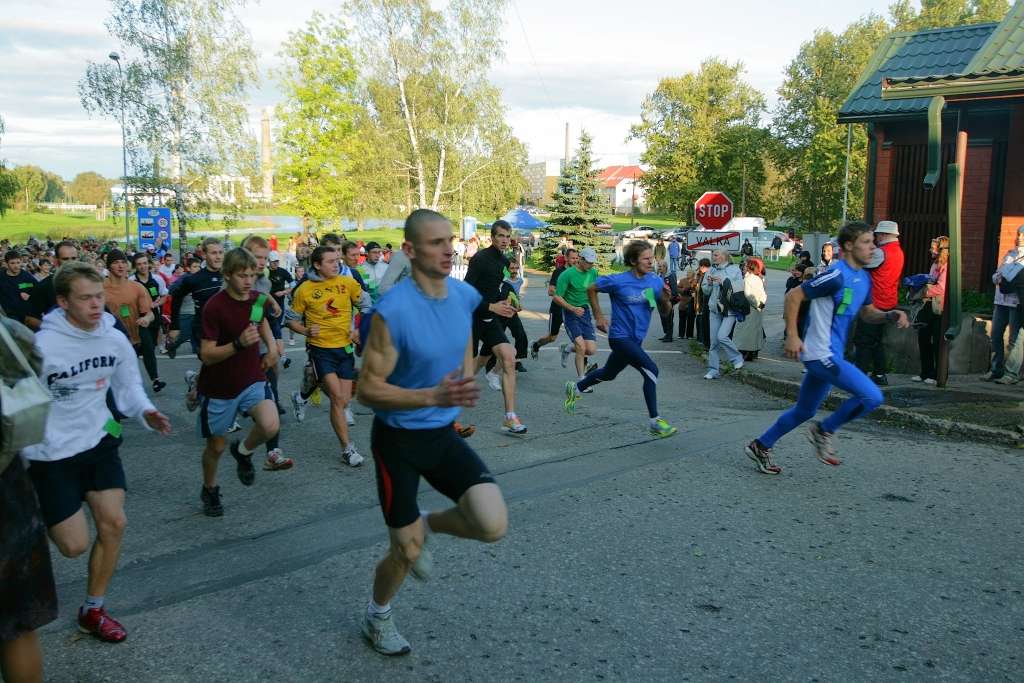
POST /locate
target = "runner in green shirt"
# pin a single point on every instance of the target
(571, 294)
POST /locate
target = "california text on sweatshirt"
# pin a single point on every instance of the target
(79, 367)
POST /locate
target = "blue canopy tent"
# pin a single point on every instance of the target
(520, 219)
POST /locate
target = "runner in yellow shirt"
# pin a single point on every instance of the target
(325, 301)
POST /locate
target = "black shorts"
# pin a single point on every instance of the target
(488, 333)
(338, 362)
(61, 485)
(554, 320)
(402, 456)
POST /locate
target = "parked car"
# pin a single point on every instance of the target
(639, 232)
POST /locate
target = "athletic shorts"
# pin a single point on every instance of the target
(61, 485)
(579, 325)
(338, 361)
(216, 415)
(554, 320)
(439, 455)
(488, 333)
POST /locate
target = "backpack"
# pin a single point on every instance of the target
(732, 301)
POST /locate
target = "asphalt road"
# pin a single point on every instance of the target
(627, 558)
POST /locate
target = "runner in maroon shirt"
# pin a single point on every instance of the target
(234, 377)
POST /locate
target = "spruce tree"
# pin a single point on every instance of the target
(577, 207)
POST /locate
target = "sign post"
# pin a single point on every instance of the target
(713, 210)
(154, 226)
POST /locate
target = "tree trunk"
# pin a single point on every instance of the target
(414, 142)
(179, 212)
(440, 177)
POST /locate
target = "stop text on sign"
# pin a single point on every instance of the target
(713, 210)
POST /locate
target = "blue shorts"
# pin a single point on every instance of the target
(579, 325)
(337, 361)
(216, 415)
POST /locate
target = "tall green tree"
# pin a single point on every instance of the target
(427, 89)
(906, 16)
(8, 183)
(90, 187)
(811, 150)
(577, 207)
(702, 132)
(188, 65)
(318, 142)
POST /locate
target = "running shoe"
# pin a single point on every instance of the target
(1007, 379)
(520, 367)
(534, 351)
(662, 429)
(711, 375)
(158, 385)
(822, 442)
(989, 377)
(276, 461)
(424, 564)
(98, 623)
(315, 397)
(762, 457)
(493, 381)
(512, 425)
(564, 350)
(191, 395)
(465, 431)
(291, 342)
(349, 417)
(571, 394)
(350, 456)
(590, 368)
(286, 363)
(930, 381)
(211, 502)
(299, 406)
(246, 472)
(383, 635)
(916, 378)
(172, 351)
(235, 427)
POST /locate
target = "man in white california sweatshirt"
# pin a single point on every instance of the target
(84, 357)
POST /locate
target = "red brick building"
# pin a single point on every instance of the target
(979, 70)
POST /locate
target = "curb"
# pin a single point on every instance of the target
(889, 414)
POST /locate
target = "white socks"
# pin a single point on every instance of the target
(374, 610)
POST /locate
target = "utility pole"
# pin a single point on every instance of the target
(124, 152)
(632, 202)
(846, 179)
(743, 193)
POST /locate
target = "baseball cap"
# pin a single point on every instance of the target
(888, 228)
(588, 254)
(274, 256)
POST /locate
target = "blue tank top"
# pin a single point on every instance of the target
(430, 336)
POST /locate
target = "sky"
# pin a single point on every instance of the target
(586, 63)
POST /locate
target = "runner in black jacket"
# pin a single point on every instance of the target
(487, 270)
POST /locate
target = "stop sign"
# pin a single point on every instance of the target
(713, 210)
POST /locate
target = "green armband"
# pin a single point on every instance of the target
(256, 314)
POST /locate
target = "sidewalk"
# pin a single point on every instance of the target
(966, 408)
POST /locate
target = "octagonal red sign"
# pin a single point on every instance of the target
(713, 210)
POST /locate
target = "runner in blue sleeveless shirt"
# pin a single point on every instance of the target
(837, 296)
(417, 375)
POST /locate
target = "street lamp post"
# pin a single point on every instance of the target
(124, 153)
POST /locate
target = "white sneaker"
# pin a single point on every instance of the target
(494, 381)
(349, 417)
(711, 375)
(915, 378)
(930, 381)
(350, 456)
(564, 350)
(299, 406)
(738, 366)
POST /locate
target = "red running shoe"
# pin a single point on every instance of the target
(465, 431)
(97, 622)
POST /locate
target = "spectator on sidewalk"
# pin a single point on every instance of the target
(669, 284)
(687, 303)
(1007, 313)
(722, 319)
(826, 258)
(747, 249)
(869, 339)
(674, 251)
(660, 251)
(929, 335)
(749, 333)
(700, 302)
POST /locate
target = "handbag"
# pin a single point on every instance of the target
(24, 404)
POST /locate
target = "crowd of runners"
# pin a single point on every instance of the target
(419, 338)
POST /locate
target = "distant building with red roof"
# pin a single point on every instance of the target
(621, 185)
